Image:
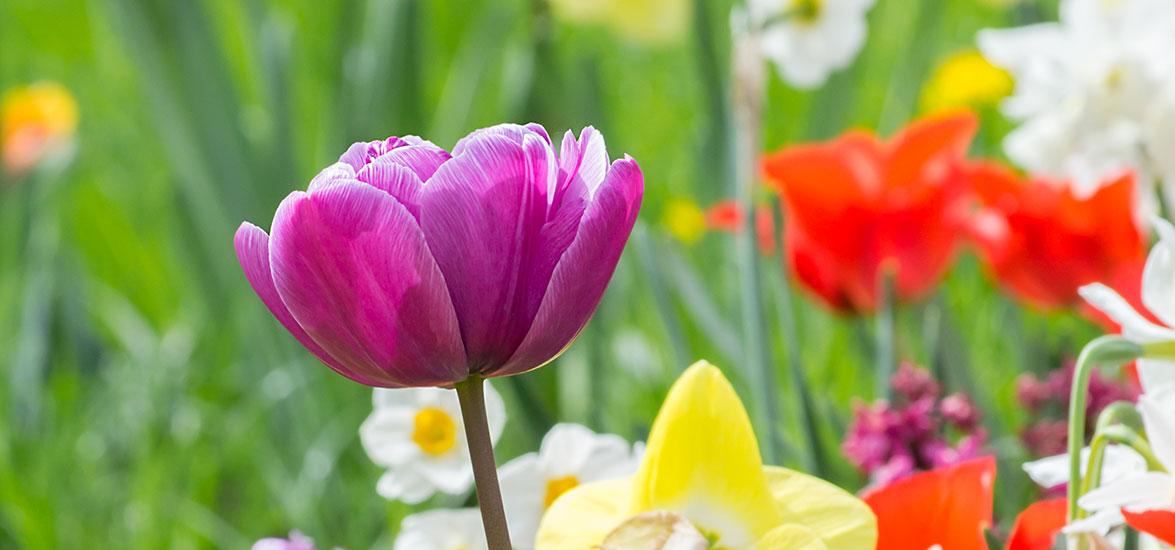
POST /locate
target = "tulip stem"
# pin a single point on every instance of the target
(471, 394)
(886, 350)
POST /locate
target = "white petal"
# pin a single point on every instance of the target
(1158, 415)
(442, 529)
(1147, 489)
(1134, 325)
(495, 412)
(1119, 461)
(1156, 374)
(1158, 278)
(404, 484)
(450, 473)
(565, 449)
(524, 490)
(1099, 522)
(386, 435)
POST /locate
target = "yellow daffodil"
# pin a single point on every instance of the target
(646, 21)
(685, 220)
(702, 476)
(35, 122)
(965, 80)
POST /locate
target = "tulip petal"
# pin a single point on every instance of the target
(337, 172)
(833, 516)
(351, 264)
(578, 282)
(1157, 523)
(422, 158)
(954, 504)
(396, 180)
(586, 158)
(487, 219)
(703, 460)
(252, 246)
(926, 148)
(1038, 525)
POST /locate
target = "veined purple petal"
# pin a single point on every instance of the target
(396, 180)
(513, 132)
(351, 265)
(339, 171)
(583, 272)
(586, 158)
(252, 246)
(423, 158)
(487, 220)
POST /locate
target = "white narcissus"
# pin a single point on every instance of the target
(570, 455)
(1158, 294)
(1141, 491)
(809, 39)
(418, 435)
(442, 529)
(1084, 86)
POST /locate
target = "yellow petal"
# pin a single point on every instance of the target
(794, 537)
(838, 518)
(703, 461)
(583, 517)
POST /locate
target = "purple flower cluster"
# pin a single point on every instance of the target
(920, 430)
(1047, 402)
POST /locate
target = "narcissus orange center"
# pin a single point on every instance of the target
(558, 486)
(435, 431)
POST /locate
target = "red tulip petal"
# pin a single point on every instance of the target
(1038, 525)
(1157, 523)
(949, 507)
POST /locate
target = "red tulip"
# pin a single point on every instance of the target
(1157, 523)
(949, 507)
(1038, 525)
(1042, 242)
(857, 205)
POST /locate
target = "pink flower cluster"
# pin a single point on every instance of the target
(920, 430)
(1047, 402)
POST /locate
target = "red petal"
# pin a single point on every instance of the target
(1038, 525)
(1157, 523)
(949, 507)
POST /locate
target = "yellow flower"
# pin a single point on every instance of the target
(702, 469)
(685, 220)
(35, 121)
(965, 80)
(647, 21)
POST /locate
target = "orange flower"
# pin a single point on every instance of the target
(949, 507)
(35, 122)
(1157, 523)
(727, 216)
(856, 204)
(1043, 243)
(1038, 525)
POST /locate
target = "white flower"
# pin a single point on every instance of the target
(442, 530)
(809, 39)
(1140, 491)
(1158, 294)
(570, 455)
(297, 541)
(1083, 89)
(417, 434)
(1117, 462)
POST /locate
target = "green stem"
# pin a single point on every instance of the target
(1103, 350)
(471, 394)
(747, 103)
(1121, 435)
(886, 348)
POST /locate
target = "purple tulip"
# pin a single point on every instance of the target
(404, 265)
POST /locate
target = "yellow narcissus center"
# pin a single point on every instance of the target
(558, 486)
(806, 11)
(435, 432)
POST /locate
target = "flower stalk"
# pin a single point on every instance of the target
(471, 394)
(886, 348)
(1105, 350)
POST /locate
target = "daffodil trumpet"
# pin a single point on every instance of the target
(702, 484)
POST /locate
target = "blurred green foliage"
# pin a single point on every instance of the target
(151, 401)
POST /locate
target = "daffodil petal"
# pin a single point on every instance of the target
(794, 537)
(583, 517)
(703, 461)
(837, 518)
